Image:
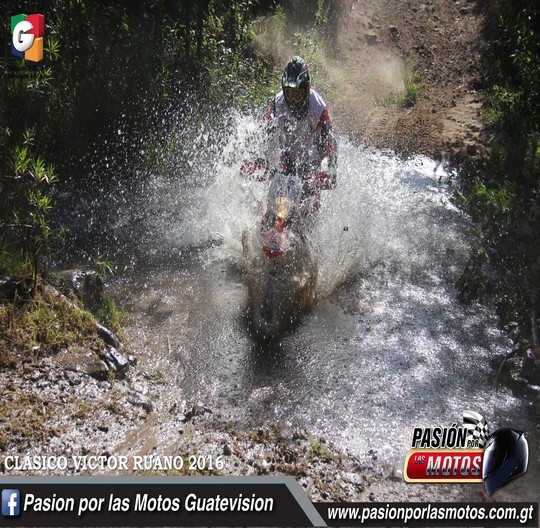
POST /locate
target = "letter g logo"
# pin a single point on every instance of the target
(23, 41)
(27, 36)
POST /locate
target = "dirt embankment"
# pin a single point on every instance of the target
(441, 40)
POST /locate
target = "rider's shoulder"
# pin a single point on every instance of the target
(315, 108)
(314, 95)
(316, 103)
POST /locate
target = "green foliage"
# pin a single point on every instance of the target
(234, 74)
(103, 265)
(112, 72)
(515, 54)
(408, 97)
(44, 325)
(503, 191)
(514, 99)
(411, 78)
(306, 45)
(269, 36)
(321, 14)
(52, 49)
(114, 87)
(319, 450)
(110, 315)
(26, 190)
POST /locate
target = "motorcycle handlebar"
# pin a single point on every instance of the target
(258, 170)
(254, 169)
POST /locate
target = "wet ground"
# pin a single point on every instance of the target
(387, 348)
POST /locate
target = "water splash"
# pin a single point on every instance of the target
(388, 348)
(366, 220)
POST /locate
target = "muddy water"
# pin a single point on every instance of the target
(388, 346)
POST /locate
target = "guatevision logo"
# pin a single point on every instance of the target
(27, 33)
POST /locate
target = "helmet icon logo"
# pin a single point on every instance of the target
(506, 457)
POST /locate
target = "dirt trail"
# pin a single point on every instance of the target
(374, 39)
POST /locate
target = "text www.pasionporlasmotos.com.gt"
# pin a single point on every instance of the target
(425, 514)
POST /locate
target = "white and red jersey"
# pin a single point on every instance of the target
(307, 140)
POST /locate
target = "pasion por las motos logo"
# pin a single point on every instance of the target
(466, 453)
(27, 33)
(443, 454)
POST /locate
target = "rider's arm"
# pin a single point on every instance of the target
(327, 147)
(270, 113)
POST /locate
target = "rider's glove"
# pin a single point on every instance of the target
(325, 181)
(254, 169)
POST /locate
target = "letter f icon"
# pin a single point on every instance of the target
(11, 504)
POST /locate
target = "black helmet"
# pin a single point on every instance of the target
(506, 457)
(296, 85)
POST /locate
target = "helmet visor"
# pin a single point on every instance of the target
(491, 461)
(294, 96)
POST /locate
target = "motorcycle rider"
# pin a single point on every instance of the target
(300, 118)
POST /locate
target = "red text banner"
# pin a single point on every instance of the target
(444, 465)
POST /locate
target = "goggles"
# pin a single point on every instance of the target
(294, 96)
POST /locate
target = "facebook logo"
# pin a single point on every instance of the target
(11, 502)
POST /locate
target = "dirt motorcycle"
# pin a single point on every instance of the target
(281, 265)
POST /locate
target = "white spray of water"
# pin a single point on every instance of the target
(374, 214)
